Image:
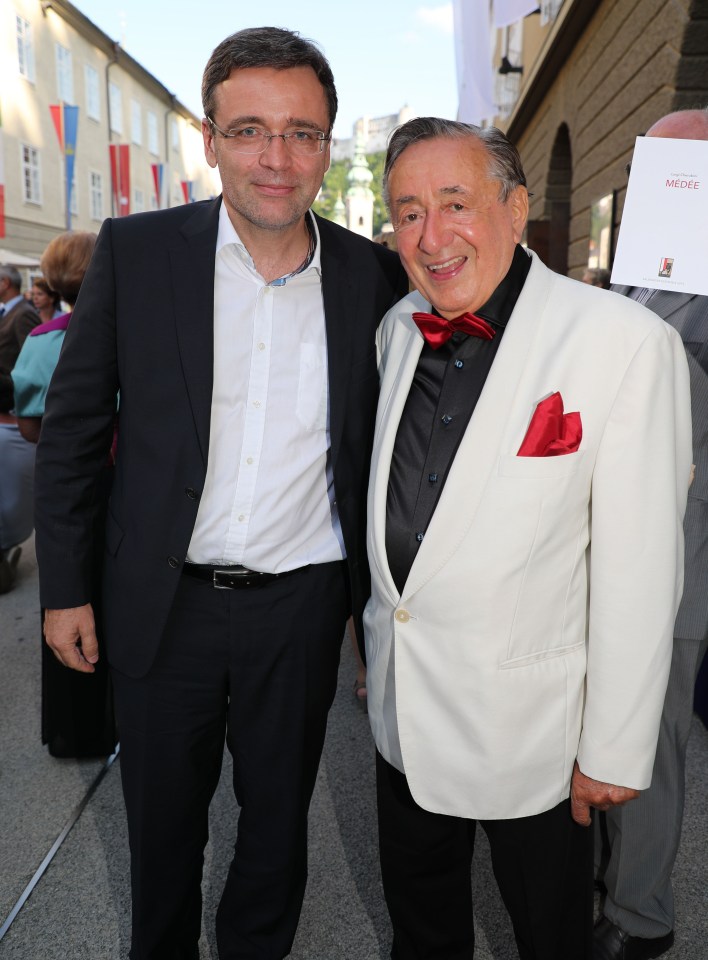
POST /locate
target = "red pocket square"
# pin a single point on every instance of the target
(551, 432)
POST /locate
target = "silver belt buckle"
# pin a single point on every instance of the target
(221, 586)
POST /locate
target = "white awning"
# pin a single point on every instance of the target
(17, 259)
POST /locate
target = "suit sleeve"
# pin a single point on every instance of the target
(639, 490)
(77, 431)
(23, 324)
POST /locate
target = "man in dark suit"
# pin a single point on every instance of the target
(17, 318)
(641, 840)
(240, 334)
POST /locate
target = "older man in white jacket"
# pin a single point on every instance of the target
(529, 479)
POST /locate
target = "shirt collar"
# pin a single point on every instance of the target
(12, 303)
(500, 305)
(228, 236)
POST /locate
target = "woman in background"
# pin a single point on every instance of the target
(77, 708)
(46, 301)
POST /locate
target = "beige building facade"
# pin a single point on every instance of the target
(596, 74)
(50, 53)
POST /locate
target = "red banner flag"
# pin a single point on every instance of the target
(58, 117)
(157, 171)
(120, 178)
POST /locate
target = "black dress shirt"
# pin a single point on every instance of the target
(443, 394)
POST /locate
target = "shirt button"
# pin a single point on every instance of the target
(446, 419)
(256, 403)
(249, 460)
(402, 616)
(261, 346)
(173, 562)
(241, 517)
(419, 537)
(433, 477)
(459, 364)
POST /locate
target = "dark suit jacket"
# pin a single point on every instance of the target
(14, 328)
(688, 314)
(143, 325)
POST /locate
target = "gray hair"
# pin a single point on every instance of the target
(8, 272)
(267, 47)
(597, 277)
(504, 160)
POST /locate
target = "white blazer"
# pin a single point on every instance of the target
(535, 626)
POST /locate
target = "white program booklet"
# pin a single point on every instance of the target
(663, 238)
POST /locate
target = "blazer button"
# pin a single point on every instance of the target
(402, 616)
(173, 562)
(192, 493)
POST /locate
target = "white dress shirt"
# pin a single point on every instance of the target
(268, 500)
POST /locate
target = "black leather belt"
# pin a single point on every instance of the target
(233, 577)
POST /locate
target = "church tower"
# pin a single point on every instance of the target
(339, 212)
(360, 196)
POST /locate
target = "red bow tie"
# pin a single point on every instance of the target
(438, 330)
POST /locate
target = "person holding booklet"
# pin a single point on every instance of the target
(637, 845)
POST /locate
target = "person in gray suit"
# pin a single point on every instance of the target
(640, 842)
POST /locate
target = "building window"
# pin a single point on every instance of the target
(136, 122)
(153, 200)
(96, 195)
(65, 75)
(116, 101)
(31, 181)
(152, 134)
(175, 135)
(25, 50)
(93, 99)
(508, 85)
(549, 10)
(138, 201)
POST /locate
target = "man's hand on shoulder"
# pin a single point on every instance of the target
(71, 634)
(586, 792)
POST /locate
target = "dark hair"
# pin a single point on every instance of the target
(597, 277)
(504, 160)
(42, 285)
(65, 262)
(266, 47)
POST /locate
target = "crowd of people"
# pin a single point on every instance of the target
(480, 466)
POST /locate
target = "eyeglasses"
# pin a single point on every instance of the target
(253, 140)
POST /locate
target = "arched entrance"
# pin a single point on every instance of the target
(549, 236)
(557, 211)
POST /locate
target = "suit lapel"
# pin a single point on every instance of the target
(665, 303)
(192, 263)
(340, 298)
(405, 346)
(496, 416)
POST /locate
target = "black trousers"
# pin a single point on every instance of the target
(542, 864)
(259, 666)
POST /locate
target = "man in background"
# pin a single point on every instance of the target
(17, 318)
(641, 840)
